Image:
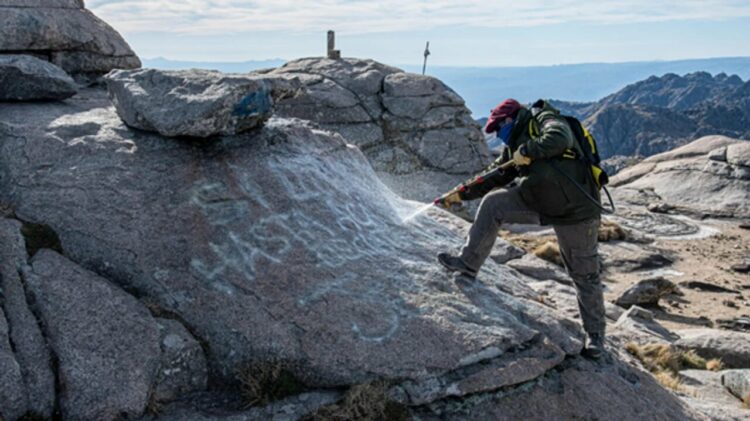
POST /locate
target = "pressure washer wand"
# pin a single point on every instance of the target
(454, 196)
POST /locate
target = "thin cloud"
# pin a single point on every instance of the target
(366, 16)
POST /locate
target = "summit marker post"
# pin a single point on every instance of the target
(332, 52)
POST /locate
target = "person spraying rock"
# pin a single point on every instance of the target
(554, 186)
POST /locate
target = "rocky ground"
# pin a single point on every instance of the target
(697, 260)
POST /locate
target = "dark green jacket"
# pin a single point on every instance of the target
(546, 136)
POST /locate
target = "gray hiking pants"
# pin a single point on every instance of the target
(578, 246)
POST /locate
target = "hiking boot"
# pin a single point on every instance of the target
(594, 346)
(456, 264)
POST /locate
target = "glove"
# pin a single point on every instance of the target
(450, 199)
(519, 159)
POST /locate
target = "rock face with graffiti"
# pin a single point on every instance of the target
(278, 243)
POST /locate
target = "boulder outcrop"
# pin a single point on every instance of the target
(64, 33)
(197, 103)
(713, 174)
(24, 78)
(416, 132)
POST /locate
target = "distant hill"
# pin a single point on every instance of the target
(485, 87)
(227, 67)
(660, 113)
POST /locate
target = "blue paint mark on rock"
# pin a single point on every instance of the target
(255, 103)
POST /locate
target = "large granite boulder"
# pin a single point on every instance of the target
(714, 175)
(65, 33)
(416, 132)
(24, 78)
(29, 346)
(197, 103)
(281, 245)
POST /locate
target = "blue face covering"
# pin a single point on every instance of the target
(505, 131)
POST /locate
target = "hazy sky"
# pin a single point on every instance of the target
(461, 33)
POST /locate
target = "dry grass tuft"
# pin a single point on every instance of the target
(611, 231)
(669, 380)
(369, 401)
(689, 359)
(714, 364)
(550, 252)
(665, 362)
(746, 402)
(268, 381)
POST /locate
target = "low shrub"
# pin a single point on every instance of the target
(549, 251)
(369, 402)
(267, 381)
(611, 231)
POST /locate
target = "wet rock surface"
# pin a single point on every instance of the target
(196, 103)
(24, 78)
(413, 129)
(64, 33)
